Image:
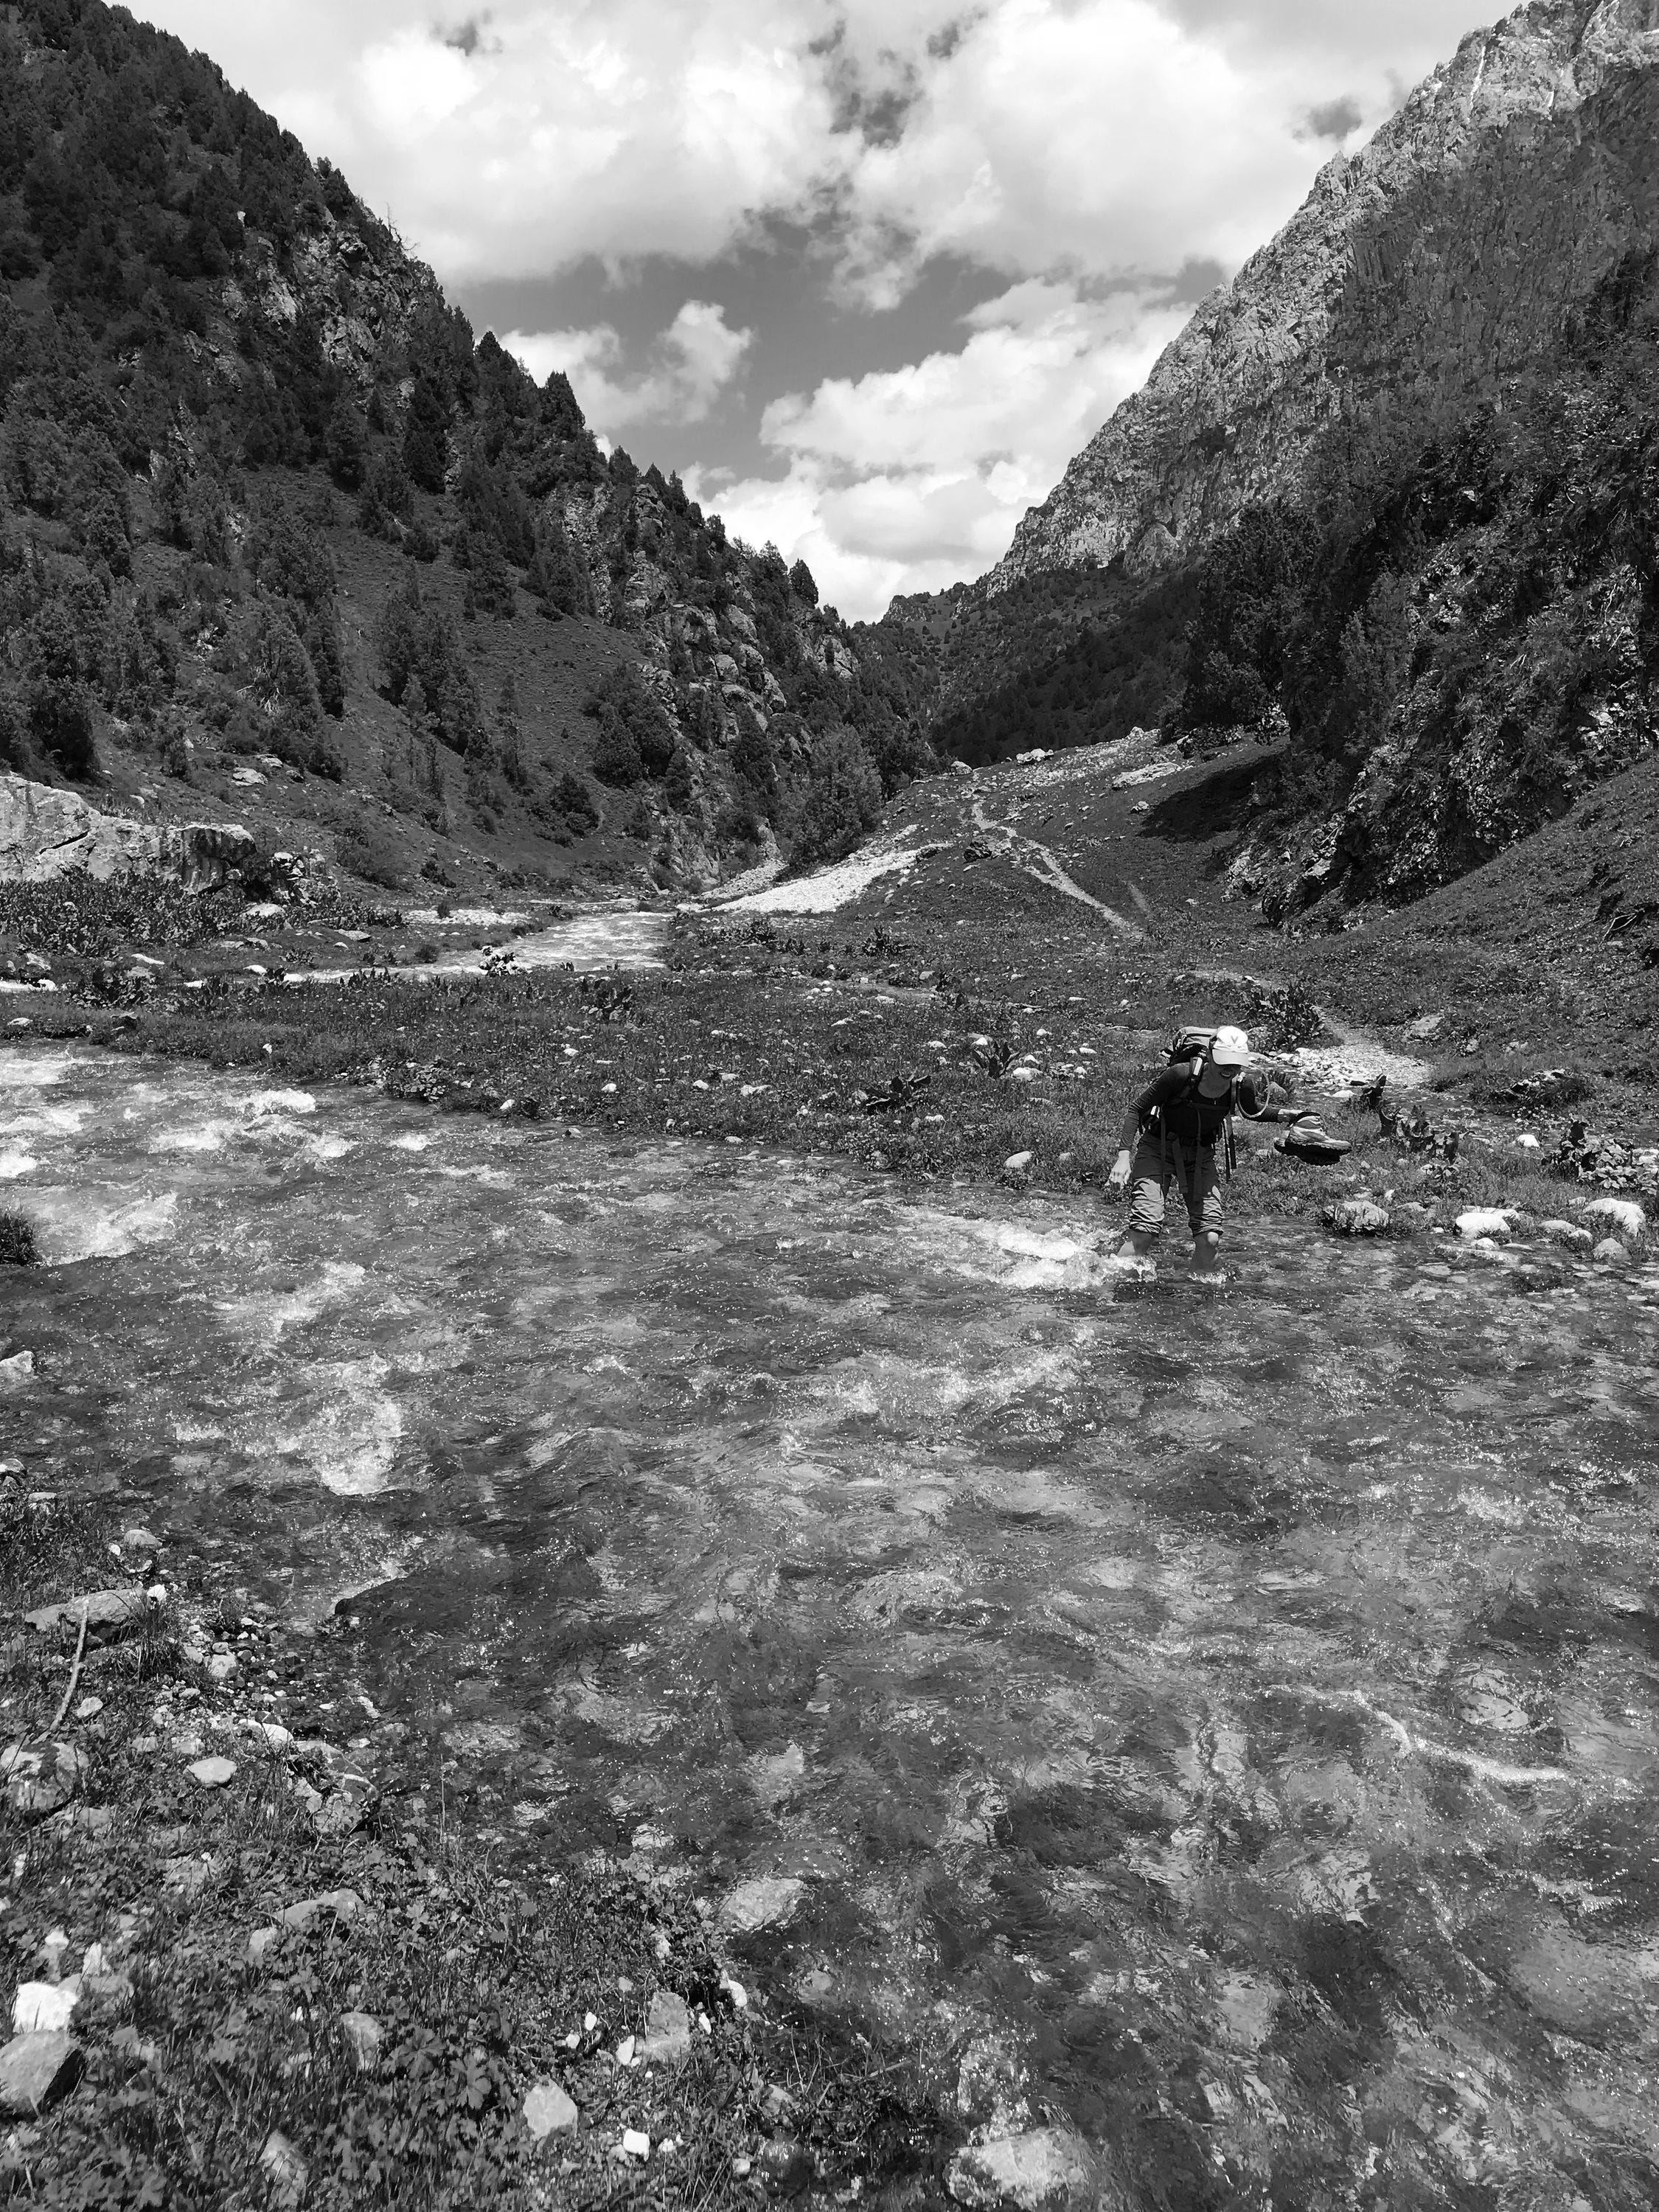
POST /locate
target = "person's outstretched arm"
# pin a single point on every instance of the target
(1140, 1110)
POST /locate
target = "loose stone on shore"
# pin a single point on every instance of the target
(46, 2006)
(1619, 1217)
(42, 1777)
(1356, 1217)
(363, 2032)
(109, 1614)
(667, 2037)
(36, 2068)
(285, 2170)
(549, 2111)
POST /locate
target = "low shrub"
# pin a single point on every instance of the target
(17, 1246)
(367, 850)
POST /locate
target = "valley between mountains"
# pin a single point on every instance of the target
(614, 1590)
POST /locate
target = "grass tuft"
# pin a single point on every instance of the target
(17, 1245)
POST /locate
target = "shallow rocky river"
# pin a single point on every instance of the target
(1224, 1720)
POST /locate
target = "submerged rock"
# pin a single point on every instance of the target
(769, 1901)
(1049, 2167)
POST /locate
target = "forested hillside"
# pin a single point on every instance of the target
(280, 530)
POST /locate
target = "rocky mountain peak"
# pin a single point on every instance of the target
(1421, 270)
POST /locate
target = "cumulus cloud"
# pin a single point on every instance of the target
(690, 365)
(906, 478)
(1335, 119)
(1106, 136)
(1080, 151)
(548, 129)
(1095, 135)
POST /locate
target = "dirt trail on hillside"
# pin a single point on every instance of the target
(1036, 861)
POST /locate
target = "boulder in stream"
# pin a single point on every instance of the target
(768, 1901)
(1044, 2168)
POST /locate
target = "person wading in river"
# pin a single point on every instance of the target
(1172, 1132)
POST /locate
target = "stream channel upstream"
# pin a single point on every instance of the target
(1224, 1721)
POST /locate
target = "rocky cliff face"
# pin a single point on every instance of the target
(1418, 274)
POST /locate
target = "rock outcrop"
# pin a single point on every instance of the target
(47, 832)
(1417, 275)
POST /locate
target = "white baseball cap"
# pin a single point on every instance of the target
(1230, 1049)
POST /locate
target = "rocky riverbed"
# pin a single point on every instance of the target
(1213, 1734)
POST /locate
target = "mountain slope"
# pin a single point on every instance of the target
(279, 534)
(1388, 500)
(1415, 277)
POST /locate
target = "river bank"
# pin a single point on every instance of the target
(261, 1953)
(840, 1047)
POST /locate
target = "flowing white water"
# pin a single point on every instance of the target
(1239, 1710)
(589, 941)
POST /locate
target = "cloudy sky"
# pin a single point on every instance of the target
(867, 272)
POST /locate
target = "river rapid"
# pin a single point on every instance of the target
(1224, 1721)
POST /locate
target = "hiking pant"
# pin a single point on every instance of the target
(1191, 1168)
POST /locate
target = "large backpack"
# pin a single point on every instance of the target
(1190, 1048)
